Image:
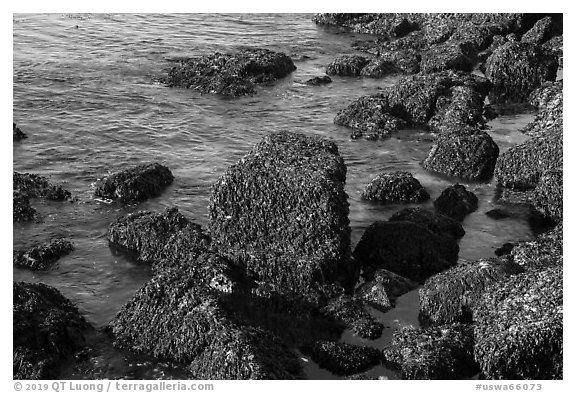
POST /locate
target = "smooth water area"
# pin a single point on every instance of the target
(85, 93)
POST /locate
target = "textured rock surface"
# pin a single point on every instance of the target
(456, 202)
(544, 252)
(550, 104)
(433, 221)
(406, 248)
(42, 256)
(378, 68)
(342, 358)
(282, 212)
(374, 294)
(353, 315)
(319, 80)
(27, 186)
(347, 65)
(47, 328)
(230, 74)
(518, 329)
(135, 184)
(450, 296)
(394, 187)
(548, 196)
(393, 284)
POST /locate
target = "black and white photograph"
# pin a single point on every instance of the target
(287, 196)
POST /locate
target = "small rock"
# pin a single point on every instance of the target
(42, 256)
(349, 65)
(17, 133)
(319, 80)
(456, 202)
(353, 315)
(395, 187)
(342, 358)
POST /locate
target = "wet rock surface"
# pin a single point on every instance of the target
(352, 313)
(319, 80)
(393, 284)
(28, 186)
(456, 202)
(433, 221)
(519, 325)
(549, 102)
(135, 184)
(17, 134)
(546, 251)
(548, 196)
(47, 329)
(395, 187)
(342, 358)
(406, 248)
(41, 256)
(230, 74)
(442, 352)
(347, 65)
(450, 296)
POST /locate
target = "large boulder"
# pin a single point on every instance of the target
(342, 358)
(546, 251)
(379, 67)
(466, 155)
(135, 184)
(442, 352)
(456, 202)
(548, 196)
(406, 248)
(230, 74)
(47, 330)
(389, 25)
(395, 187)
(521, 166)
(541, 31)
(550, 104)
(432, 220)
(282, 213)
(450, 296)
(42, 256)
(516, 69)
(449, 56)
(348, 65)
(518, 327)
(460, 110)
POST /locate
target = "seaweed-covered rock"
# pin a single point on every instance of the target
(433, 221)
(389, 25)
(348, 65)
(519, 325)
(544, 252)
(450, 296)
(374, 294)
(395, 187)
(135, 184)
(17, 133)
(47, 329)
(469, 156)
(21, 209)
(456, 202)
(41, 256)
(173, 317)
(521, 166)
(342, 358)
(540, 32)
(352, 314)
(516, 69)
(460, 110)
(406, 60)
(449, 56)
(555, 46)
(230, 74)
(282, 213)
(378, 68)
(441, 352)
(393, 284)
(406, 248)
(36, 186)
(319, 80)
(550, 103)
(548, 196)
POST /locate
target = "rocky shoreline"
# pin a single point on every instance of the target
(278, 246)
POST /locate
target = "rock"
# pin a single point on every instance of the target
(393, 284)
(282, 213)
(548, 196)
(42, 256)
(319, 80)
(379, 68)
(540, 32)
(541, 97)
(498, 214)
(47, 329)
(176, 318)
(550, 116)
(521, 166)
(406, 248)
(17, 133)
(374, 294)
(504, 249)
(230, 74)
(342, 358)
(456, 202)
(347, 65)
(518, 329)
(450, 296)
(555, 46)
(442, 352)
(394, 187)
(516, 69)
(449, 56)
(468, 156)
(433, 221)
(354, 316)
(135, 184)
(22, 211)
(546, 251)
(389, 25)
(460, 110)
(35, 186)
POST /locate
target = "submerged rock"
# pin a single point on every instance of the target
(450, 296)
(230, 74)
(521, 166)
(47, 329)
(319, 80)
(442, 352)
(469, 156)
(17, 134)
(395, 187)
(406, 248)
(348, 65)
(135, 184)
(433, 221)
(352, 314)
(456, 202)
(41, 256)
(519, 327)
(342, 358)
(516, 69)
(282, 213)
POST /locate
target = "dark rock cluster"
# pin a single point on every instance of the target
(28, 186)
(42, 256)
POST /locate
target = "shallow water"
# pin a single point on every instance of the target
(84, 92)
